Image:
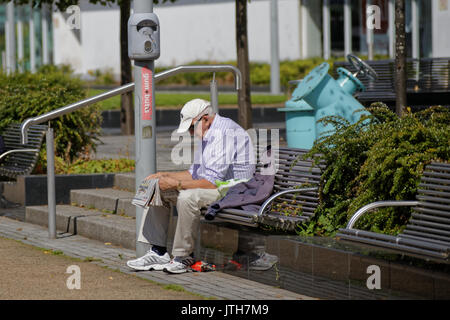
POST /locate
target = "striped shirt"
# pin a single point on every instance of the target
(225, 152)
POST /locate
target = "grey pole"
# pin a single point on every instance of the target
(44, 23)
(20, 43)
(214, 95)
(274, 49)
(145, 130)
(51, 184)
(369, 35)
(326, 29)
(391, 29)
(10, 39)
(32, 40)
(415, 10)
(347, 27)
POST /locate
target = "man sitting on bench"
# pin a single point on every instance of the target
(225, 152)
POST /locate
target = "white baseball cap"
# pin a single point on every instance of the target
(189, 111)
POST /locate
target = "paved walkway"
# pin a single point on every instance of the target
(216, 285)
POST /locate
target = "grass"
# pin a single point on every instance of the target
(164, 99)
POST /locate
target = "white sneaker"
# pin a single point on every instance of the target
(264, 262)
(179, 265)
(150, 261)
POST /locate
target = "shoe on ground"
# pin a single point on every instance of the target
(179, 265)
(264, 262)
(150, 261)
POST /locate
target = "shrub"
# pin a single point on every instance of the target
(86, 166)
(375, 160)
(25, 95)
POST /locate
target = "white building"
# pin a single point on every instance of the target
(205, 30)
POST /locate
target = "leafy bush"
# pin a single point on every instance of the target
(85, 166)
(381, 157)
(25, 95)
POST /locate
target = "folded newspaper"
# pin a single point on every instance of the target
(147, 194)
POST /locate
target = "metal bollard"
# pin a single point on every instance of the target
(51, 184)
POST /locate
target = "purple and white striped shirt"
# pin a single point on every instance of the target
(225, 152)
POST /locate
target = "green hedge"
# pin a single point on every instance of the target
(28, 95)
(259, 72)
(380, 159)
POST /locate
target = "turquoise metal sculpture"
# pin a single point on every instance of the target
(318, 96)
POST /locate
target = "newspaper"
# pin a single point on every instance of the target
(148, 193)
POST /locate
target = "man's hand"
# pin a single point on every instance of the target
(157, 175)
(167, 183)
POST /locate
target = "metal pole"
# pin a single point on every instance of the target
(10, 39)
(45, 56)
(51, 184)
(369, 34)
(20, 43)
(347, 27)
(326, 30)
(214, 95)
(415, 29)
(145, 129)
(32, 40)
(391, 29)
(275, 50)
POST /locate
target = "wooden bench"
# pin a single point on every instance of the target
(19, 159)
(428, 81)
(295, 195)
(427, 233)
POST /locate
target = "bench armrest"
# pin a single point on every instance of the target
(276, 195)
(16, 151)
(378, 204)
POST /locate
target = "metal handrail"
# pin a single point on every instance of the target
(276, 195)
(124, 89)
(379, 204)
(202, 68)
(70, 108)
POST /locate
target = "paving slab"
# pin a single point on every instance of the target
(212, 284)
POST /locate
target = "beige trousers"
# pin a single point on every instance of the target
(155, 221)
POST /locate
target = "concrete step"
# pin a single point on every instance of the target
(108, 228)
(125, 181)
(107, 200)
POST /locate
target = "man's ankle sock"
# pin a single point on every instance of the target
(159, 250)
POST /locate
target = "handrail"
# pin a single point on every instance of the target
(121, 90)
(202, 68)
(70, 108)
(379, 204)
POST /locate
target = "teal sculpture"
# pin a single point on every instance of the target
(319, 95)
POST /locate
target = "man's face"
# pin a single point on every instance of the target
(198, 127)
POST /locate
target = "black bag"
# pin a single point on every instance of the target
(2, 146)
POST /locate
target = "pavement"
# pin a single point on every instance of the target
(38, 276)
